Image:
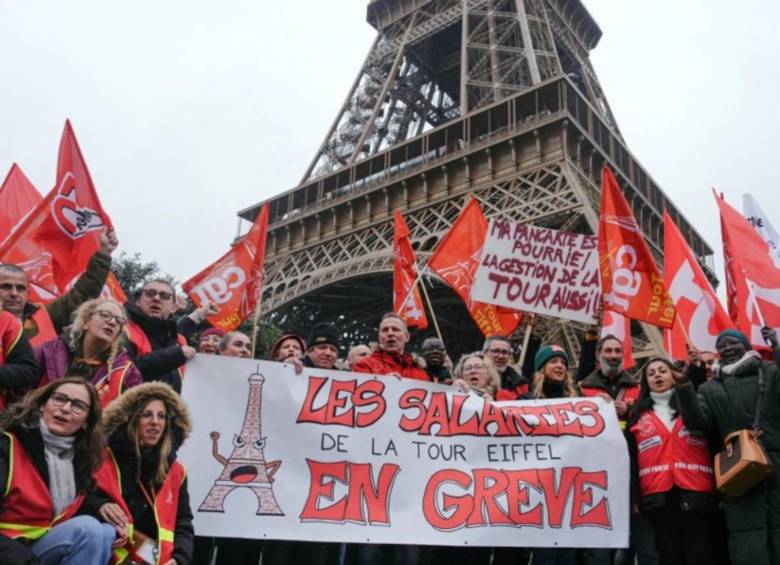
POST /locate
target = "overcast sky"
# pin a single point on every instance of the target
(189, 111)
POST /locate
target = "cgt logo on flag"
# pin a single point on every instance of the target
(219, 288)
(72, 219)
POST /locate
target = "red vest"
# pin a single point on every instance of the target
(628, 394)
(45, 327)
(669, 458)
(10, 332)
(142, 344)
(111, 385)
(166, 502)
(27, 510)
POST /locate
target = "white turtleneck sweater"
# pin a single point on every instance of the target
(661, 407)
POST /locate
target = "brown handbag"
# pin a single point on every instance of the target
(743, 463)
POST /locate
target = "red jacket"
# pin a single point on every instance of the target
(383, 363)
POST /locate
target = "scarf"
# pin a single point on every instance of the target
(746, 359)
(58, 451)
(661, 407)
(553, 389)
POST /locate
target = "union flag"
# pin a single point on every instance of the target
(406, 295)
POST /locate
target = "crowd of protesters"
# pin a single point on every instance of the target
(91, 421)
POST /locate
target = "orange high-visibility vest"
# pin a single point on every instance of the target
(28, 511)
(166, 503)
(112, 384)
(671, 458)
(42, 322)
(142, 344)
(10, 333)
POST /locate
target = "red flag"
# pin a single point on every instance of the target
(456, 260)
(630, 280)
(56, 240)
(700, 314)
(619, 326)
(752, 275)
(17, 197)
(406, 295)
(234, 281)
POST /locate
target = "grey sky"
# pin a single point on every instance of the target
(189, 111)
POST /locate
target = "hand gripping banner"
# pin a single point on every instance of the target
(336, 456)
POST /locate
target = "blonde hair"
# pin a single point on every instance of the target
(74, 333)
(569, 388)
(494, 380)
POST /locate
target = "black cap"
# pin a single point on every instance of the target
(323, 333)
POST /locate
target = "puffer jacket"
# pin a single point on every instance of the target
(383, 363)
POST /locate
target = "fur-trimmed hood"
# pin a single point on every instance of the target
(118, 413)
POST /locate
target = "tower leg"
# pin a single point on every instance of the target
(215, 500)
(267, 504)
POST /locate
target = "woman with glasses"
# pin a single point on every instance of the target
(50, 447)
(475, 372)
(144, 484)
(92, 347)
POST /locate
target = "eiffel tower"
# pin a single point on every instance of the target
(495, 99)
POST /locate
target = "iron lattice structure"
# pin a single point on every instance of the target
(494, 99)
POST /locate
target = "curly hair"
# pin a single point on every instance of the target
(494, 380)
(74, 334)
(89, 444)
(537, 385)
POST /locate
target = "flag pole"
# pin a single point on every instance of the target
(256, 320)
(411, 288)
(526, 339)
(430, 306)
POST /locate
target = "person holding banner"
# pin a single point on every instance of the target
(288, 346)
(157, 348)
(92, 347)
(513, 384)
(44, 322)
(391, 358)
(356, 353)
(671, 474)
(435, 355)
(18, 370)
(476, 373)
(143, 484)
(609, 380)
(727, 404)
(50, 447)
(552, 378)
(323, 351)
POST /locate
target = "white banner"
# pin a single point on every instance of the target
(533, 269)
(755, 215)
(336, 456)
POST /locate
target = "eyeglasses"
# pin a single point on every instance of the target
(60, 400)
(503, 352)
(105, 316)
(470, 368)
(152, 293)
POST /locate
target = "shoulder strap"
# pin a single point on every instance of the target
(759, 398)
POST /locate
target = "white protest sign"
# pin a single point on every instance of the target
(533, 269)
(335, 456)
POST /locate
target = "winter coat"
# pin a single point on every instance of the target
(88, 286)
(166, 356)
(383, 363)
(115, 419)
(55, 361)
(18, 370)
(726, 404)
(18, 552)
(514, 386)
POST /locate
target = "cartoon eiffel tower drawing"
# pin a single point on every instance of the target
(246, 466)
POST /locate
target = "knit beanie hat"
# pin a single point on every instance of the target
(323, 333)
(212, 331)
(736, 334)
(547, 352)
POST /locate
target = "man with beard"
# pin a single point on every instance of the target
(608, 379)
(433, 352)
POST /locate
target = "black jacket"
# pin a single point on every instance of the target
(20, 372)
(166, 356)
(13, 552)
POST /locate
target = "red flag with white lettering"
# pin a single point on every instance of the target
(700, 315)
(55, 241)
(456, 260)
(752, 275)
(619, 326)
(630, 280)
(234, 281)
(406, 295)
(17, 197)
